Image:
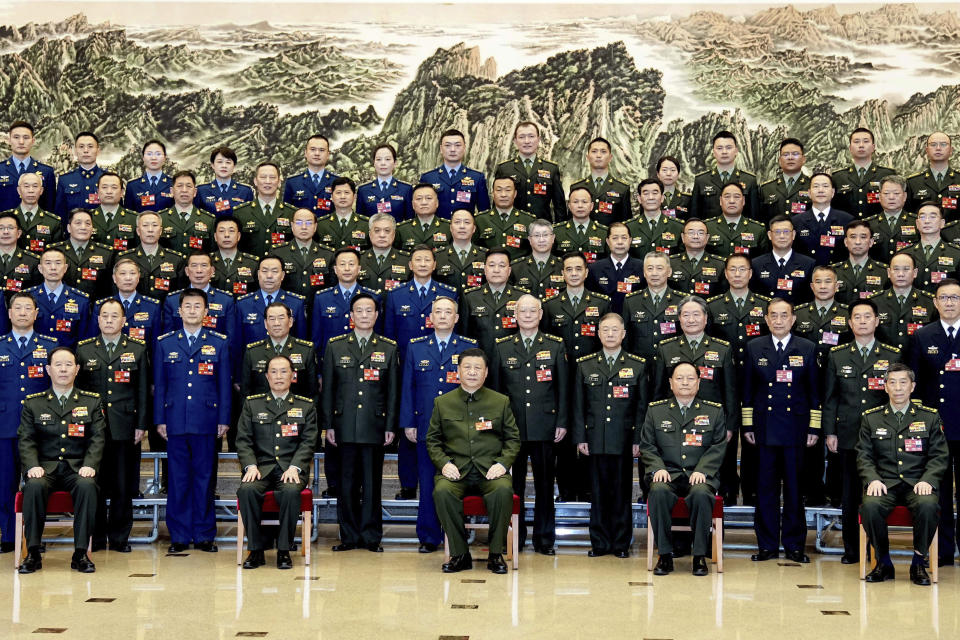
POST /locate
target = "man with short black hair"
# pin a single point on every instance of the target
(611, 197)
(78, 188)
(539, 184)
(707, 186)
(858, 184)
(312, 187)
(113, 224)
(186, 228)
(789, 193)
(457, 186)
(20, 137)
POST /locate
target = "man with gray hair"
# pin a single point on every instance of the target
(460, 265)
(651, 315)
(540, 273)
(893, 228)
(382, 267)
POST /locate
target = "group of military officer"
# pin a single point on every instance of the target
(227, 298)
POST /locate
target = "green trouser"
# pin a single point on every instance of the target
(925, 511)
(287, 494)
(700, 499)
(36, 491)
(497, 496)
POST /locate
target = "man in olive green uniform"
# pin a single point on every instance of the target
(531, 368)
(853, 384)
(161, 269)
(359, 403)
(903, 308)
(116, 367)
(486, 313)
(278, 319)
(426, 227)
(308, 265)
(682, 444)
(939, 181)
(733, 233)
(539, 184)
(233, 270)
(894, 228)
(651, 229)
(383, 268)
(460, 264)
(858, 185)
(113, 225)
(859, 276)
(89, 263)
(694, 271)
(266, 221)
(789, 193)
(581, 234)
(540, 273)
(824, 320)
(61, 443)
(901, 475)
(707, 186)
(651, 314)
(186, 228)
(473, 440)
(40, 228)
(276, 439)
(611, 197)
(504, 225)
(609, 404)
(936, 258)
(342, 227)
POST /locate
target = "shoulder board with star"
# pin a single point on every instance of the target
(295, 295)
(389, 341)
(257, 396)
(839, 347)
(763, 297)
(166, 335)
(50, 338)
(774, 181)
(586, 357)
(915, 175)
(342, 336)
(89, 394)
(176, 253)
(719, 341)
(128, 252)
(420, 339)
(87, 341)
(711, 403)
(551, 337)
(890, 347)
(874, 410)
(36, 395)
(222, 336)
(805, 305)
(618, 182)
(633, 356)
(467, 340)
(258, 343)
(136, 340)
(926, 408)
(669, 340)
(602, 296)
(175, 293)
(80, 293)
(505, 338)
(248, 295)
(925, 293)
(657, 403)
(471, 290)
(719, 296)
(441, 285)
(303, 399)
(301, 342)
(100, 245)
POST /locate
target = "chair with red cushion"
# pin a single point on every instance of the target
(474, 506)
(899, 517)
(57, 502)
(270, 506)
(681, 512)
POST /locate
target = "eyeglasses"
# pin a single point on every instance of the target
(949, 298)
(791, 154)
(781, 232)
(541, 235)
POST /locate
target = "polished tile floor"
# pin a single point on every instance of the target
(401, 594)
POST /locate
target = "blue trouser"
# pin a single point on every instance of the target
(428, 524)
(776, 465)
(190, 488)
(9, 483)
(406, 462)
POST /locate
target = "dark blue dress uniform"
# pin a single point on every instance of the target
(790, 282)
(303, 193)
(331, 314)
(77, 189)
(141, 195)
(467, 189)
(221, 202)
(406, 314)
(822, 241)
(142, 315)
(250, 310)
(191, 397)
(604, 277)
(396, 199)
(935, 358)
(781, 407)
(427, 374)
(22, 372)
(221, 313)
(67, 318)
(10, 175)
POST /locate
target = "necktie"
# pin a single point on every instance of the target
(63, 401)
(528, 342)
(463, 257)
(184, 216)
(899, 417)
(939, 179)
(580, 229)
(453, 174)
(191, 340)
(280, 403)
(303, 252)
(822, 218)
(266, 210)
(505, 218)
(227, 262)
(223, 189)
(724, 176)
(782, 262)
(864, 352)
(900, 300)
(860, 173)
(927, 250)
(380, 261)
(528, 164)
(23, 343)
(496, 297)
(269, 299)
(739, 302)
(950, 332)
(423, 293)
(347, 295)
(540, 266)
(656, 301)
(343, 224)
(683, 412)
(693, 345)
(443, 345)
(609, 362)
(6, 260)
(110, 347)
(779, 349)
(790, 183)
(619, 268)
(316, 181)
(53, 298)
(27, 218)
(153, 182)
(363, 344)
(856, 271)
(574, 301)
(732, 225)
(383, 185)
(20, 168)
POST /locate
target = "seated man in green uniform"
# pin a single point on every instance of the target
(473, 440)
(682, 444)
(902, 456)
(276, 439)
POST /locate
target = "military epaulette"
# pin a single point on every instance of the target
(915, 175)
(218, 334)
(406, 223)
(521, 289)
(241, 254)
(257, 396)
(295, 295)
(176, 293)
(128, 252)
(774, 181)
(874, 410)
(387, 340)
(136, 340)
(80, 293)
(102, 300)
(303, 398)
(804, 305)
(258, 343)
(686, 193)
(635, 357)
(361, 216)
(720, 340)
(103, 246)
(442, 285)
(342, 336)
(224, 292)
(549, 298)
(839, 347)
(615, 181)
(551, 337)
(836, 265)
(763, 297)
(420, 339)
(657, 403)
(587, 357)
(169, 333)
(86, 341)
(925, 293)
(301, 341)
(604, 296)
(30, 253)
(36, 395)
(471, 289)
(673, 339)
(712, 403)
(719, 296)
(926, 408)
(505, 338)
(705, 173)
(890, 346)
(89, 394)
(467, 340)
(50, 338)
(176, 253)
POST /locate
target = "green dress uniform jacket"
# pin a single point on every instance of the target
(943, 262)
(537, 189)
(648, 324)
(253, 374)
(682, 445)
(485, 320)
(119, 233)
(411, 232)
(50, 433)
(611, 200)
(703, 279)
(272, 435)
(384, 276)
(737, 325)
(91, 270)
(776, 198)
(591, 242)
(713, 359)
(852, 285)
(542, 283)
(306, 274)
(495, 231)
(457, 273)
(163, 275)
(663, 235)
(746, 237)
(353, 234)
(609, 403)
(707, 186)
(923, 187)
(240, 278)
(261, 233)
(576, 326)
(899, 322)
(121, 379)
(186, 236)
(859, 196)
(912, 451)
(43, 230)
(889, 239)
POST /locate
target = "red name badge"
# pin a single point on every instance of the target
(119, 244)
(743, 251)
(196, 243)
(828, 241)
(875, 384)
(952, 365)
(937, 276)
(384, 206)
(544, 375)
(64, 325)
(753, 329)
(121, 376)
(798, 207)
(830, 337)
(784, 375)
(210, 322)
(474, 281)
(483, 425)
(88, 274)
(148, 200)
(93, 198)
(221, 205)
(591, 256)
(316, 279)
(239, 287)
(390, 285)
(621, 392)
(35, 371)
(624, 287)
(508, 322)
(605, 207)
(453, 377)
(323, 203)
(14, 285)
(667, 328)
(873, 197)
(277, 238)
(785, 284)
(463, 196)
(513, 241)
(913, 445)
(902, 245)
(701, 287)
(75, 430)
(205, 368)
(706, 373)
(539, 189)
(549, 292)
(288, 430)
(371, 375)
(36, 245)
(163, 284)
(912, 327)
(140, 333)
(693, 440)
(588, 330)
(948, 203)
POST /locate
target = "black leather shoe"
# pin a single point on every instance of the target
(343, 546)
(664, 565)
(918, 575)
(177, 547)
(120, 548)
(458, 563)
(7, 547)
(848, 559)
(208, 546)
(81, 562)
(797, 556)
(426, 547)
(700, 566)
(765, 554)
(545, 551)
(596, 554)
(496, 564)
(882, 572)
(622, 554)
(406, 494)
(375, 548)
(283, 560)
(254, 559)
(33, 562)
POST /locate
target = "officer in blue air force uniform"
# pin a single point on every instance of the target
(430, 370)
(21, 139)
(192, 376)
(78, 188)
(331, 306)
(385, 194)
(311, 188)
(64, 311)
(23, 361)
(250, 307)
(457, 186)
(153, 191)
